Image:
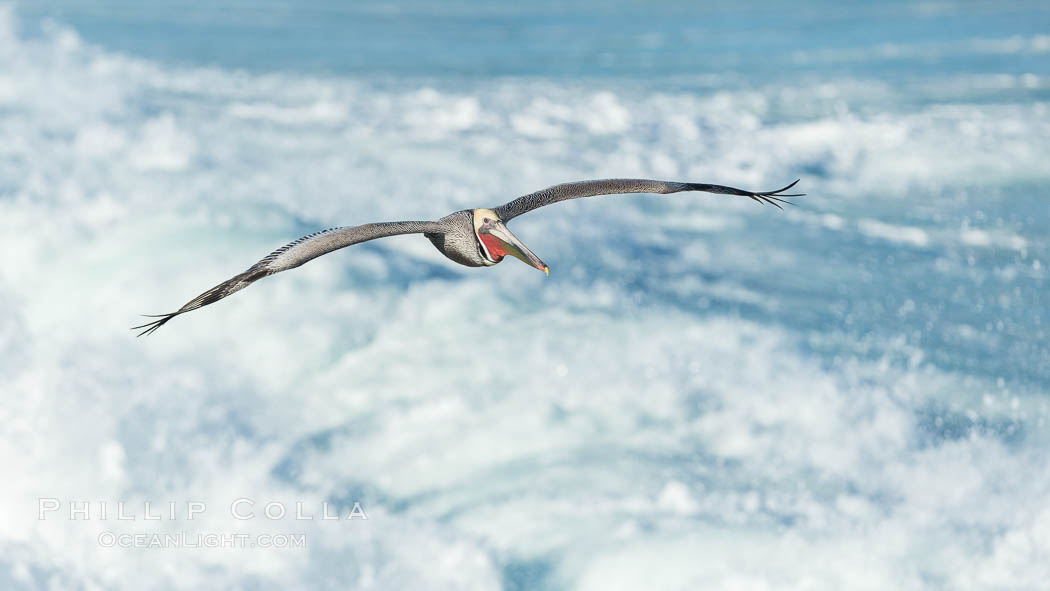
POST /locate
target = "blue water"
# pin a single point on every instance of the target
(705, 393)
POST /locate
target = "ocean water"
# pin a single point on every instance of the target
(852, 393)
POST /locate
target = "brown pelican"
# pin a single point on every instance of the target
(471, 237)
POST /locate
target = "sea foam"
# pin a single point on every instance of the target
(705, 393)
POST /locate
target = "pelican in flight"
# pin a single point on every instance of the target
(471, 237)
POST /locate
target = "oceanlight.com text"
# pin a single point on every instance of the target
(207, 541)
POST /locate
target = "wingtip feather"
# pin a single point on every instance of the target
(150, 327)
(773, 197)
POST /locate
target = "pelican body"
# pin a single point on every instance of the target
(471, 237)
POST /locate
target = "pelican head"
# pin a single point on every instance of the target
(496, 241)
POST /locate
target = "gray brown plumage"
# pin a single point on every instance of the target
(471, 237)
(527, 203)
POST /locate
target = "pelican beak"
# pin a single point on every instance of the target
(509, 244)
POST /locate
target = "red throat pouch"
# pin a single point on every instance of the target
(493, 245)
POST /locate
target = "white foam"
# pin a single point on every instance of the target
(985, 238)
(893, 232)
(1016, 44)
(163, 146)
(318, 112)
(488, 417)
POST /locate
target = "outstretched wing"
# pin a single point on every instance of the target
(291, 256)
(579, 189)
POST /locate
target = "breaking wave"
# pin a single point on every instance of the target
(704, 394)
